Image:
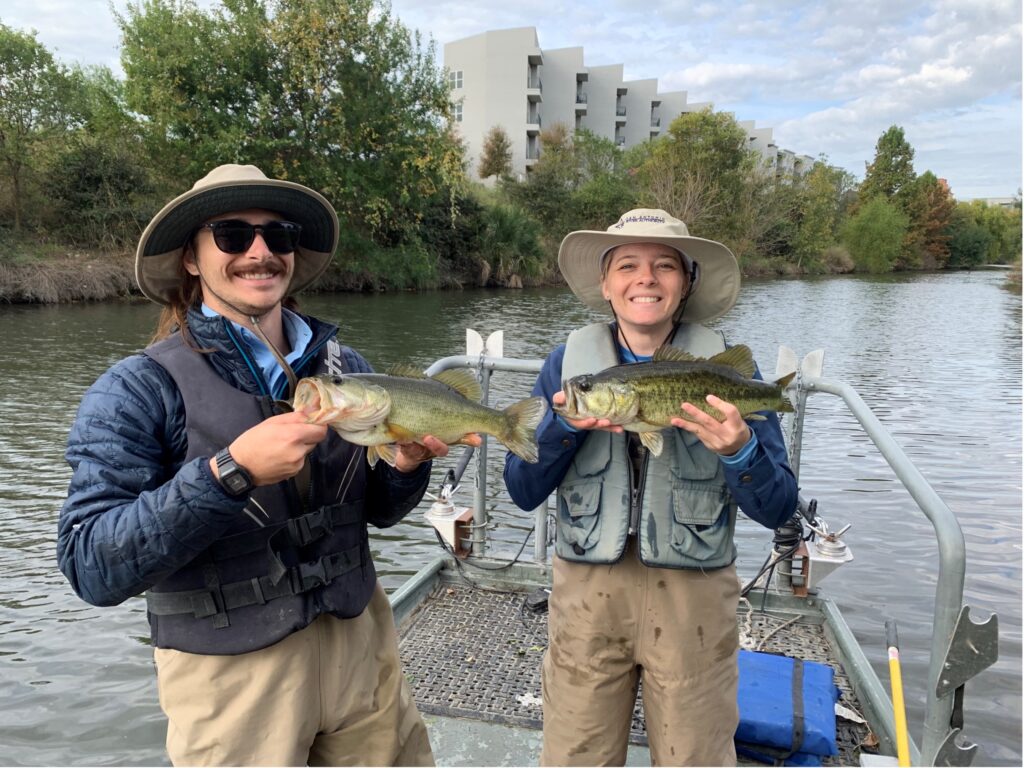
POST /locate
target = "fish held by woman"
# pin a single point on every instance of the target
(645, 397)
(404, 405)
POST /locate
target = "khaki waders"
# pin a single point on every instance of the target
(611, 625)
(330, 694)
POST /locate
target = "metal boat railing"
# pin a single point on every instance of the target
(953, 636)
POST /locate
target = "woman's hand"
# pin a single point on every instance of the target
(724, 437)
(586, 423)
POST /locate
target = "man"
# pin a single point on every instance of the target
(245, 526)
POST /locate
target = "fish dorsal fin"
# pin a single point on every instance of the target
(739, 357)
(462, 381)
(668, 353)
(406, 371)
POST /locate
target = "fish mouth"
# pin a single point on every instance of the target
(312, 399)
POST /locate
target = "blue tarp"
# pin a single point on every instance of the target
(771, 706)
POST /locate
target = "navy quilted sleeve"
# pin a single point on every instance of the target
(134, 513)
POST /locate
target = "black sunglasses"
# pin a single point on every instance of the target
(235, 235)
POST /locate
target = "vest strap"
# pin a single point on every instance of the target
(202, 603)
(302, 530)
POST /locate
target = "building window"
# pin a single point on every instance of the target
(457, 112)
(455, 79)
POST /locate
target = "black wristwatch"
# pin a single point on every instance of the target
(233, 477)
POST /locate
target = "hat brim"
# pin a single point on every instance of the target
(718, 282)
(160, 248)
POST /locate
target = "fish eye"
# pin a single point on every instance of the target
(337, 380)
(585, 384)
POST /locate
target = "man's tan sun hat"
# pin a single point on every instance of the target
(225, 189)
(717, 277)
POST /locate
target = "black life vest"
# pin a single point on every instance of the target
(311, 555)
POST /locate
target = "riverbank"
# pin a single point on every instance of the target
(82, 276)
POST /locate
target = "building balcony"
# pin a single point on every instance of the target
(533, 124)
(534, 89)
(620, 141)
(620, 111)
(655, 122)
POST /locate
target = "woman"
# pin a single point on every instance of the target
(644, 585)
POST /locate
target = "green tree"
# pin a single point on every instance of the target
(930, 207)
(605, 188)
(698, 170)
(892, 170)
(823, 192)
(496, 156)
(35, 109)
(968, 240)
(340, 96)
(874, 235)
(1003, 227)
(548, 187)
(99, 194)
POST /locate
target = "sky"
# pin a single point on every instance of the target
(827, 76)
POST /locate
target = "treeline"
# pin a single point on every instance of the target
(342, 97)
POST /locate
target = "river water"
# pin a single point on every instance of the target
(936, 356)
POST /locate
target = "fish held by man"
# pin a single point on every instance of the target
(404, 405)
(645, 397)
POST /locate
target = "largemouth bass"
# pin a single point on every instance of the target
(645, 397)
(404, 405)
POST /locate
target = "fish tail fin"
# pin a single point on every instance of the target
(521, 420)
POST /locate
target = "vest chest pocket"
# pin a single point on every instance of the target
(700, 520)
(579, 524)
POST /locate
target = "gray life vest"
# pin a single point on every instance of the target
(685, 515)
(258, 585)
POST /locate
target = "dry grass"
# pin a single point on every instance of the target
(66, 279)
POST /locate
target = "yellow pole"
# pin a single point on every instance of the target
(899, 709)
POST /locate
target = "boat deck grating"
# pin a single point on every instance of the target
(476, 653)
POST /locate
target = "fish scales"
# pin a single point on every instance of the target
(426, 406)
(662, 386)
(381, 410)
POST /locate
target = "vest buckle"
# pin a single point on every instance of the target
(310, 527)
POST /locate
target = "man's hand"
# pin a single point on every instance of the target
(724, 437)
(588, 423)
(411, 455)
(275, 449)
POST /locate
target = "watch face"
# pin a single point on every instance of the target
(235, 482)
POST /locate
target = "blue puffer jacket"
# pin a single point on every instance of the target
(135, 512)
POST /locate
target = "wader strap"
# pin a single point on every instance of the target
(202, 603)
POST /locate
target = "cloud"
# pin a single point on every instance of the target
(829, 76)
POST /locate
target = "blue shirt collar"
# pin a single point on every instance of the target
(299, 335)
(627, 356)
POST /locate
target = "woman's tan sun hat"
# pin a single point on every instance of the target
(225, 189)
(717, 281)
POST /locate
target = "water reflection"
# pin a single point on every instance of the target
(938, 357)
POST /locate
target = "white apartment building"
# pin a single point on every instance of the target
(503, 78)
